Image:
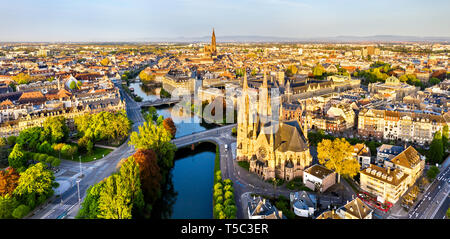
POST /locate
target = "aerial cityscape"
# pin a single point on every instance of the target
(262, 125)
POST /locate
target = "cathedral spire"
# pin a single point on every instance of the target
(245, 84)
(213, 42)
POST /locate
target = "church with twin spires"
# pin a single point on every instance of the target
(274, 148)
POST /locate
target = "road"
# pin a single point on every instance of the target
(435, 200)
(244, 182)
(94, 172)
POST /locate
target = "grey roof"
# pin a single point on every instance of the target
(261, 207)
(303, 200)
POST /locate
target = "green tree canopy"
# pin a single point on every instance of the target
(7, 206)
(432, 172)
(90, 206)
(22, 78)
(55, 129)
(17, 159)
(157, 138)
(35, 180)
(105, 125)
(122, 195)
(436, 152)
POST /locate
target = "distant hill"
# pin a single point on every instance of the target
(375, 38)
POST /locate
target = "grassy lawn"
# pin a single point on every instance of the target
(97, 154)
(297, 185)
(244, 164)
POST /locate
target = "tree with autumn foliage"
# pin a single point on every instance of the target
(149, 173)
(169, 125)
(157, 138)
(9, 179)
(337, 155)
(105, 61)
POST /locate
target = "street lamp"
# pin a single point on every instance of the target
(78, 187)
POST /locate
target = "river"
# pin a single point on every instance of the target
(192, 175)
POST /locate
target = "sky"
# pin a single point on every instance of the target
(135, 20)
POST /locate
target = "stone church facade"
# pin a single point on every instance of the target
(274, 148)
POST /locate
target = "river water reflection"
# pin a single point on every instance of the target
(190, 189)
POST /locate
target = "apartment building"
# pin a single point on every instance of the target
(395, 125)
(410, 162)
(388, 184)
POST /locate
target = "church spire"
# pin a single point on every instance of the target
(213, 42)
(245, 84)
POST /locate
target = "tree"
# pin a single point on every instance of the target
(170, 126)
(90, 206)
(115, 202)
(234, 131)
(85, 143)
(151, 115)
(434, 81)
(445, 137)
(35, 180)
(3, 142)
(11, 140)
(21, 211)
(104, 126)
(16, 158)
(228, 195)
(30, 138)
(230, 211)
(337, 155)
(22, 78)
(432, 172)
(150, 174)
(55, 129)
(436, 152)
(9, 179)
(157, 138)
(58, 147)
(145, 78)
(291, 70)
(218, 186)
(105, 61)
(55, 162)
(45, 147)
(68, 150)
(122, 195)
(318, 70)
(7, 206)
(73, 85)
(159, 120)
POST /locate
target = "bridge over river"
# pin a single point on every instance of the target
(158, 102)
(210, 135)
